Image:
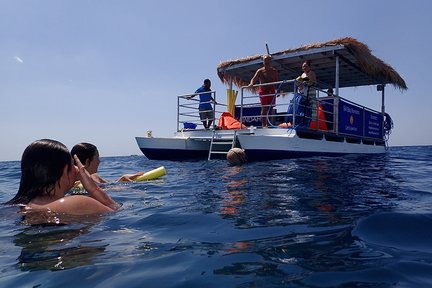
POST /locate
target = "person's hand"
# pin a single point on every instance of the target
(92, 188)
(84, 176)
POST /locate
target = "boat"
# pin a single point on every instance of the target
(326, 124)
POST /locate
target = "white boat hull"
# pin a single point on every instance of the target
(287, 144)
(259, 144)
(184, 145)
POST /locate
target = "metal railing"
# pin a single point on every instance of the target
(309, 111)
(188, 113)
(300, 110)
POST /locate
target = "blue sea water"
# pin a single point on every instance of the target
(351, 221)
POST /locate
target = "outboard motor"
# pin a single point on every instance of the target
(388, 126)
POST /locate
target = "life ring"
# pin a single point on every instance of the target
(152, 174)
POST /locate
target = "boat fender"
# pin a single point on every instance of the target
(152, 174)
(236, 156)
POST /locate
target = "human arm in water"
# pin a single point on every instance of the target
(130, 177)
(99, 180)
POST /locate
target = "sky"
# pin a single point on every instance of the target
(106, 71)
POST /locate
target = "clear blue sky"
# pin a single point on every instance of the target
(105, 71)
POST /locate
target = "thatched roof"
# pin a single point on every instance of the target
(358, 66)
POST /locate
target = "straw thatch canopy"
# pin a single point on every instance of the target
(358, 67)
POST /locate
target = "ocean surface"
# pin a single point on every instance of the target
(351, 221)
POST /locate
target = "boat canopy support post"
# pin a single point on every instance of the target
(337, 76)
(241, 104)
(381, 87)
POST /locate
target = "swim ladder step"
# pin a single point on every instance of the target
(222, 142)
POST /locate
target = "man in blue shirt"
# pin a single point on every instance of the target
(205, 108)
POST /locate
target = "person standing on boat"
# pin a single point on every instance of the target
(307, 80)
(308, 77)
(267, 93)
(305, 97)
(205, 108)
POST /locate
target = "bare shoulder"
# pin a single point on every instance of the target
(312, 76)
(81, 204)
(74, 205)
(259, 71)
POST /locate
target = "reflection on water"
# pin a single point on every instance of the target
(315, 191)
(53, 248)
(234, 195)
(315, 222)
(322, 197)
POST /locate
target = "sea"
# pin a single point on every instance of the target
(348, 221)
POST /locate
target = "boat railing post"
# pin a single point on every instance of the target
(336, 114)
(178, 113)
(336, 100)
(241, 105)
(381, 88)
(214, 109)
(294, 103)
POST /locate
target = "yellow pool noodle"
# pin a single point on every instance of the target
(152, 174)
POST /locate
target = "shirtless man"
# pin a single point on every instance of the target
(266, 74)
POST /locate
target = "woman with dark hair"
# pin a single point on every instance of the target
(307, 79)
(48, 172)
(304, 99)
(89, 156)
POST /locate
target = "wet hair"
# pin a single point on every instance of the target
(84, 151)
(42, 165)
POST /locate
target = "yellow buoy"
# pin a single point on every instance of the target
(153, 174)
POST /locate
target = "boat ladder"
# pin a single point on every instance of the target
(222, 142)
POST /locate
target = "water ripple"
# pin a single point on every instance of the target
(351, 221)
